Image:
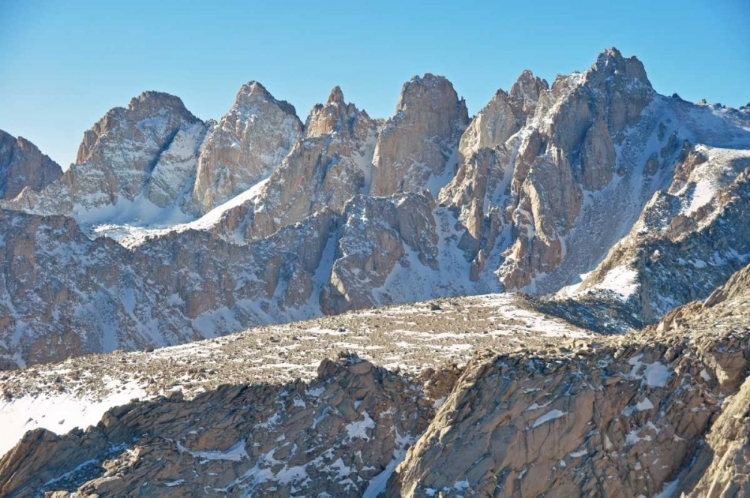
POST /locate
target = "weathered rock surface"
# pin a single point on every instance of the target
(541, 189)
(688, 241)
(246, 145)
(187, 285)
(622, 420)
(154, 162)
(597, 175)
(22, 165)
(66, 295)
(415, 147)
(726, 452)
(522, 195)
(337, 434)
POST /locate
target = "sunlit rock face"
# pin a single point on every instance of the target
(246, 145)
(416, 145)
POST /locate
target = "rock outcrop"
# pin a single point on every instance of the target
(341, 434)
(64, 295)
(23, 166)
(549, 177)
(625, 420)
(689, 239)
(328, 166)
(568, 150)
(185, 285)
(367, 255)
(154, 162)
(722, 465)
(597, 178)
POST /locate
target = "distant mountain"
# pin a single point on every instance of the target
(594, 191)
(23, 166)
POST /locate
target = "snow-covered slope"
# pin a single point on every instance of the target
(693, 232)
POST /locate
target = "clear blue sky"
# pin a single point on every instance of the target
(63, 64)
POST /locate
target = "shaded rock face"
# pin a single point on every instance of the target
(50, 266)
(119, 155)
(367, 254)
(189, 285)
(56, 283)
(685, 244)
(247, 144)
(23, 166)
(722, 466)
(336, 434)
(416, 145)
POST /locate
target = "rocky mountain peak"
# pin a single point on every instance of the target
(153, 139)
(247, 144)
(610, 65)
(254, 92)
(253, 87)
(415, 145)
(337, 96)
(150, 116)
(151, 102)
(492, 125)
(524, 95)
(336, 116)
(432, 93)
(23, 166)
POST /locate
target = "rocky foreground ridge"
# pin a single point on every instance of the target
(537, 410)
(594, 191)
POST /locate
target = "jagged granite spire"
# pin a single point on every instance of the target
(416, 143)
(248, 143)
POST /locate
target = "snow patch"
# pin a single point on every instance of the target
(547, 417)
(234, 454)
(359, 428)
(57, 413)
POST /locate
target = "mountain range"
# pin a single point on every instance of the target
(594, 190)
